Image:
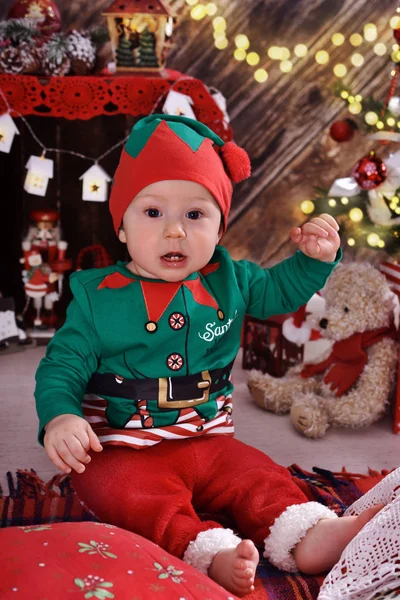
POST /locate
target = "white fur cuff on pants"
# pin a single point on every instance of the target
(201, 551)
(289, 528)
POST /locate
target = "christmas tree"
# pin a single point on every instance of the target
(124, 53)
(367, 200)
(147, 56)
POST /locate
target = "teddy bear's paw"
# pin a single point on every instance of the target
(270, 397)
(308, 416)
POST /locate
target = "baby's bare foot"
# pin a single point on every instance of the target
(323, 544)
(235, 568)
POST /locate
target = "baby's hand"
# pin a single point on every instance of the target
(318, 238)
(67, 441)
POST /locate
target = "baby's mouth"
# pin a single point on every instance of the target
(174, 257)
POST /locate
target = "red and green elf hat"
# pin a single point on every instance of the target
(168, 147)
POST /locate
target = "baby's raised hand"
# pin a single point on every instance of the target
(67, 441)
(318, 238)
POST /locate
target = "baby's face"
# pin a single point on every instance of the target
(171, 229)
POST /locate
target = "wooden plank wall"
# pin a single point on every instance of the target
(283, 123)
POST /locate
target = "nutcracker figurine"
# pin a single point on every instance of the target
(44, 233)
(44, 265)
(39, 282)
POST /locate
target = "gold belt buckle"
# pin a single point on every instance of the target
(163, 401)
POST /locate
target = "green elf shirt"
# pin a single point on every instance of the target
(145, 360)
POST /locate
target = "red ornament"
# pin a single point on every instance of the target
(369, 172)
(342, 131)
(44, 12)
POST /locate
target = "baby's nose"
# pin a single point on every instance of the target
(174, 230)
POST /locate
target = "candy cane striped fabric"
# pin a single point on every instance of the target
(392, 274)
(139, 433)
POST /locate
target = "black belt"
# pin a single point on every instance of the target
(170, 392)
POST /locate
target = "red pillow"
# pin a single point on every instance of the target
(78, 561)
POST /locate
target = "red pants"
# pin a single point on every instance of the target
(158, 492)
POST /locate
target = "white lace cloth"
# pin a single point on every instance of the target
(371, 561)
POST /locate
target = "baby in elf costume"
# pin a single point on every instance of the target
(134, 395)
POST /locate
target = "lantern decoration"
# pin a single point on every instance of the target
(95, 184)
(40, 170)
(178, 104)
(138, 31)
(7, 131)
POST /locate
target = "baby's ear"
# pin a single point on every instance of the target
(122, 235)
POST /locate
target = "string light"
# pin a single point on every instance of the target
(338, 39)
(380, 49)
(221, 43)
(282, 54)
(198, 12)
(307, 207)
(356, 39)
(373, 239)
(356, 215)
(274, 52)
(211, 9)
(390, 121)
(351, 242)
(322, 57)
(253, 58)
(219, 24)
(371, 118)
(332, 202)
(380, 125)
(355, 108)
(285, 53)
(301, 50)
(340, 70)
(357, 59)
(242, 41)
(286, 66)
(370, 32)
(239, 54)
(344, 200)
(395, 22)
(260, 75)
(40, 169)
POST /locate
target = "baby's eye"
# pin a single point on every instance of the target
(346, 309)
(194, 214)
(153, 212)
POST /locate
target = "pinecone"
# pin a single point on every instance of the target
(82, 53)
(55, 59)
(32, 57)
(18, 30)
(11, 60)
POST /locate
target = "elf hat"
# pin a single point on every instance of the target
(169, 147)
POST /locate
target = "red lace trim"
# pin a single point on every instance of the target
(86, 97)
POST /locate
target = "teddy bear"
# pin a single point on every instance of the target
(350, 384)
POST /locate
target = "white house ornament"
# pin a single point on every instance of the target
(178, 104)
(8, 129)
(95, 184)
(40, 170)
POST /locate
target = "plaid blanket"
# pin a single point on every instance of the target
(31, 501)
